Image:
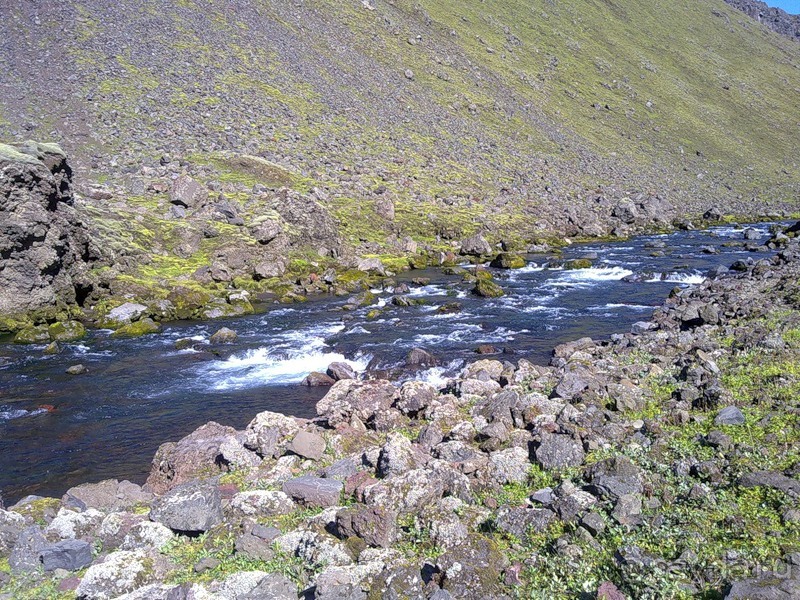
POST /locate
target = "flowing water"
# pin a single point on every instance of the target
(58, 430)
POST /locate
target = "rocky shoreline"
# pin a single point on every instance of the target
(659, 464)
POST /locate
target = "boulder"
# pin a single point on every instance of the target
(472, 570)
(120, 573)
(340, 370)
(308, 445)
(124, 314)
(557, 451)
(195, 455)
(730, 415)
(70, 555)
(375, 525)
(360, 399)
(487, 289)
(224, 336)
(475, 246)
(66, 331)
(262, 503)
(314, 491)
(316, 379)
(269, 432)
(421, 358)
(24, 557)
(187, 192)
(506, 260)
(191, 507)
(108, 496)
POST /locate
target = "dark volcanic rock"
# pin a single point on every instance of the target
(314, 491)
(43, 245)
(70, 555)
(559, 451)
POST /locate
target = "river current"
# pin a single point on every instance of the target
(58, 430)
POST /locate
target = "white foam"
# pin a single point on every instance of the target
(692, 278)
(439, 376)
(8, 415)
(595, 274)
(625, 306)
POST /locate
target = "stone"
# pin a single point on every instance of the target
(147, 535)
(263, 503)
(360, 399)
(71, 524)
(66, 331)
(145, 326)
(340, 370)
(730, 415)
(108, 496)
(421, 358)
(187, 192)
(396, 457)
(224, 336)
(557, 451)
(191, 507)
(766, 588)
(475, 246)
(24, 557)
(593, 523)
(273, 586)
(628, 510)
(608, 591)
(268, 433)
(316, 379)
(472, 570)
(771, 479)
(314, 491)
(120, 573)
(415, 396)
(510, 465)
(194, 455)
(506, 260)
(70, 555)
(308, 445)
(124, 314)
(487, 289)
(376, 525)
(76, 370)
(253, 547)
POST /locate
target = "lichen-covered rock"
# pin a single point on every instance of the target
(66, 331)
(360, 399)
(191, 507)
(194, 455)
(473, 569)
(263, 503)
(69, 524)
(557, 451)
(308, 445)
(316, 548)
(269, 432)
(138, 328)
(376, 525)
(120, 573)
(314, 491)
(24, 556)
(147, 535)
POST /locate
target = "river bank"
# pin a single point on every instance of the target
(660, 463)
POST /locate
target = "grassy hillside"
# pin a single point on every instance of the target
(509, 117)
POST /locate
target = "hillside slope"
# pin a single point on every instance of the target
(429, 120)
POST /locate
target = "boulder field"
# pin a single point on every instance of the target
(662, 463)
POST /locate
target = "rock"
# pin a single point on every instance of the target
(315, 379)
(207, 563)
(314, 491)
(147, 535)
(608, 591)
(766, 588)
(273, 586)
(142, 327)
(520, 521)
(267, 432)
(70, 524)
(308, 445)
(70, 555)
(421, 358)
(76, 370)
(187, 192)
(124, 314)
(24, 557)
(730, 415)
(52, 349)
(360, 399)
(191, 507)
(376, 525)
(340, 370)
(472, 570)
(120, 573)
(224, 336)
(266, 231)
(262, 503)
(506, 260)
(510, 465)
(593, 523)
(371, 265)
(45, 246)
(557, 451)
(415, 396)
(487, 289)
(397, 456)
(66, 331)
(475, 246)
(194, 455)
(771, 479)
(254, 548)
(628, 510)
(33, 335)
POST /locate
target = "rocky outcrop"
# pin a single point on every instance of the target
(775, 18)
(44, 247)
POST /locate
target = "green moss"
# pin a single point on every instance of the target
(68, 331)
(138, 328)
(40, 510)
(33, 335)
(487, 289)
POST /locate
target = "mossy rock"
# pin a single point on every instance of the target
(142, 327)
(52, 348)
(40, 510)
(374, 314)
(14, 324)
(507, 260)
(487, 289)
(419, 261)
(218, 309)
(578, 263)
(188, 301)
(33, 335)
(67, 331)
